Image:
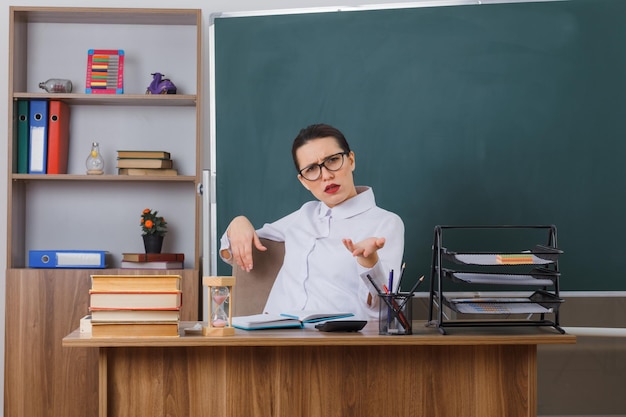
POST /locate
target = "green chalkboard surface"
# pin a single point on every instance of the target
(459, 115)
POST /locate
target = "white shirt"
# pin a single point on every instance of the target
(318, 272)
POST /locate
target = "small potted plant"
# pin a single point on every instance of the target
(153, 228)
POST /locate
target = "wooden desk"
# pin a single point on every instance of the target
(288, 373)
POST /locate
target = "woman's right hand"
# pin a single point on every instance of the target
(242, 236)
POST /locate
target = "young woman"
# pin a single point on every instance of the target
(331, 244)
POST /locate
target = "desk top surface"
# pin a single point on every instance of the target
(309, 336)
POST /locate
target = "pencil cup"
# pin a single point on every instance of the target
(395, 314)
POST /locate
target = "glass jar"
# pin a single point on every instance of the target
(95, 163)
(56, 85)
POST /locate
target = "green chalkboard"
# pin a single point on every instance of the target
(459, 115)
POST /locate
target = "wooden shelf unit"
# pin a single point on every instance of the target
(79, 211)
(165, 115)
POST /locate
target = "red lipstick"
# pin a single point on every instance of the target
(331, 188)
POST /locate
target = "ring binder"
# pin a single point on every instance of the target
(67, 259)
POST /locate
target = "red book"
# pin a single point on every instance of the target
(153, 265)
(58, 137)
(153, 257)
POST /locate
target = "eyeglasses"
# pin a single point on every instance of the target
(333, 163)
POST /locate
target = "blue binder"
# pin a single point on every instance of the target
(38, 143)
(67, 259)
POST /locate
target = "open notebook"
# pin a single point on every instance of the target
(295, 319)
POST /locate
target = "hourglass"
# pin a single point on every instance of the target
(220, 306)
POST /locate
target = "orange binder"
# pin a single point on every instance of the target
(58, 137)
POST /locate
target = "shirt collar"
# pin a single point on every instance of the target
(361, 202)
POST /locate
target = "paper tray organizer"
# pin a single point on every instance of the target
(536, 268)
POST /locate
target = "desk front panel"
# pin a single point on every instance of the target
(325, 381)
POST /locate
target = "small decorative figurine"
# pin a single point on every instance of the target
(220, 291)
(160, 85)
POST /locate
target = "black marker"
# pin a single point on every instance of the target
(376, 287)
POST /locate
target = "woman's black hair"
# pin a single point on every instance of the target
(317, 131)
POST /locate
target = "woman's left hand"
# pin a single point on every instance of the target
(366, 251)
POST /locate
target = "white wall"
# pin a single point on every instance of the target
(208, 7)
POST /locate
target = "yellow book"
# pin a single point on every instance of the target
(135, 282)
(127, 316)
(144, 154)
(144, 163)
(161, 172)
(156, 329)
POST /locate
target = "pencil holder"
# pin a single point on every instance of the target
(395, 316)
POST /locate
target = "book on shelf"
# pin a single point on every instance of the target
(135, 300)
(284, 320)
(157, 283)
(152, 257)
(144, 163)
(137, 329)
(159, 172)
(152, 265)
(131, 316)
(143, 154)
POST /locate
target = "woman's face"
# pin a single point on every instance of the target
(331, 188)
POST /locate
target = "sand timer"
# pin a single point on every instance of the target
(220, 290)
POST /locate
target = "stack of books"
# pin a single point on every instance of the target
(153, 260)
(135, 305)
(145, 163)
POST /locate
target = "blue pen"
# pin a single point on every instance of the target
(391, 281)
